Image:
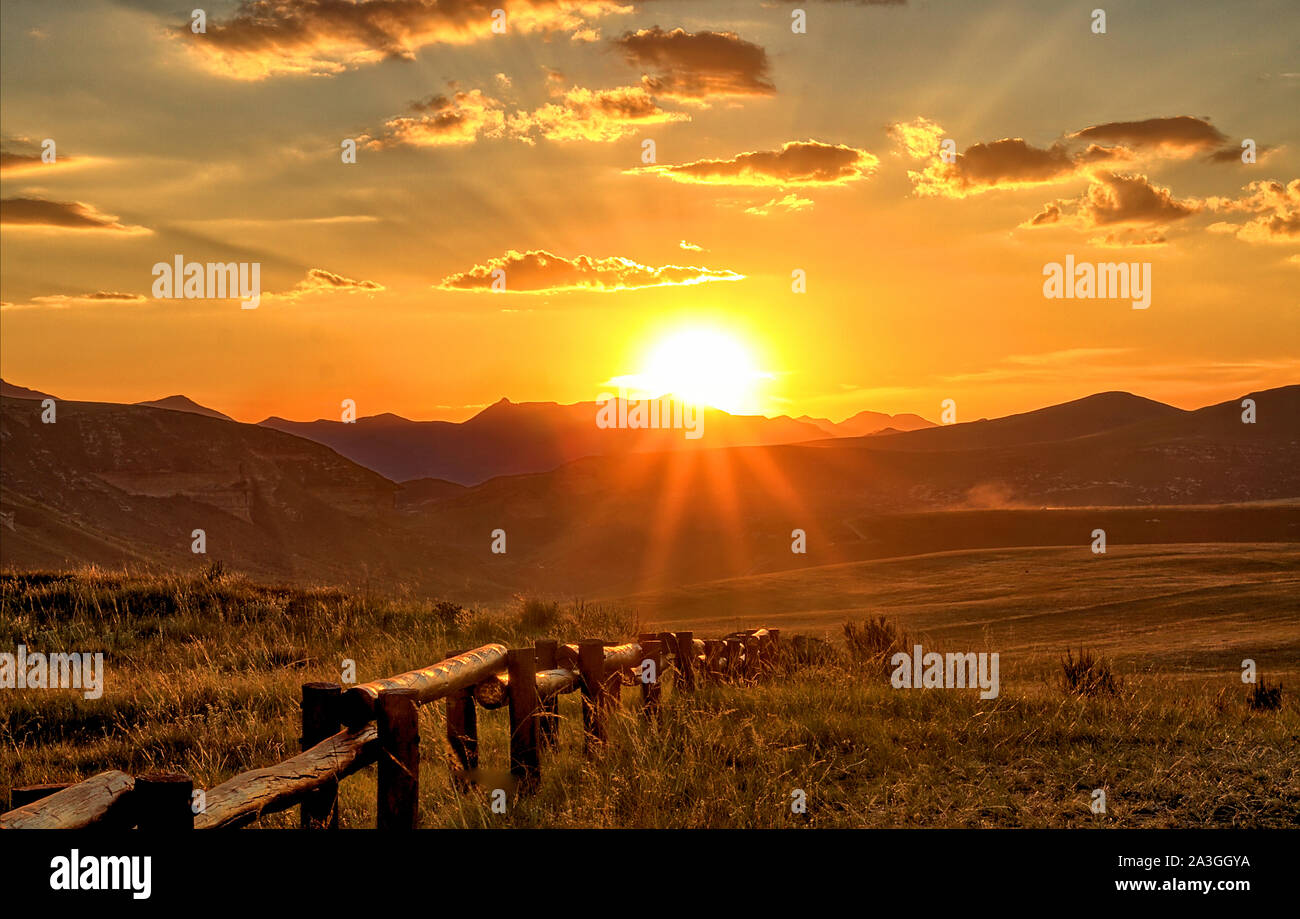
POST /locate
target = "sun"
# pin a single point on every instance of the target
(702, 366)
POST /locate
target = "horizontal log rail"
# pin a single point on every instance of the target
(242, 799)
(494, 692)
(372, 733)
(430, 683)
(84, 804)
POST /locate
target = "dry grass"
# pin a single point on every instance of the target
(204, 675)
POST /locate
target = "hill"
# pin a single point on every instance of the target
(513, 438)
(185, 404)
(114, 484)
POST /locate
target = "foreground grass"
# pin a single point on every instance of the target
(204, 676)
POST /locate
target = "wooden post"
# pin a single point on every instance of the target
(462, 733)
(525, 765)
(591, 665)
(734, 648)
(651, 651)
(162, 801)
(398, 804)
(321, 718)
(713, 649)
(774, 659)
(685, 645)
(26, 794)
(753, 657)
(548, 718)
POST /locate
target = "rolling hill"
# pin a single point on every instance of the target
(512, 438)
(115, 484)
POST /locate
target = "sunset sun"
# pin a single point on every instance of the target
(703, 366)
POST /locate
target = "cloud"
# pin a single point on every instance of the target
(791, 202)
(319, 281)
(1114, 199)
(264, 38)
(796, 164)
(442, 120)
(697, 66)
(1181, 136)
(920, 138)
(689, 247)
(538, 271)
(20, 155)
(1127, 237)
(1012, 163)
(599, 115)
(61, 215)
(1275, 208)
(1232, 154)
(1006, 163)
(64, 301)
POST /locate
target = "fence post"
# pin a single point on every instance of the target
(161, 801)
(651, 651)
(774, 659)
(462, 732)
(321, 718)
(525, 765)
(548, 717)
(734, 646)
(685, 645)
(713, 649)
(398, 804)
(753, 657)
(591, 665)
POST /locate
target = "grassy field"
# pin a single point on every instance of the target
(203, 674)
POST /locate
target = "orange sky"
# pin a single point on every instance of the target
(774, 152)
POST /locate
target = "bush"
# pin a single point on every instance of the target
(872, 644)
(450, 615)
(1264, 698)
(806, 651)
(539, 615)
(1088, 674)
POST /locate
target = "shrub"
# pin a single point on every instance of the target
(1264, 698)
(449, 615)
(872, 644)
(537, 615)
(1088, 674)
(806, 651)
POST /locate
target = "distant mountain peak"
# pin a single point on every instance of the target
(10, 391)
(179, 403)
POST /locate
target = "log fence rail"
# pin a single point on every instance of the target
(375, 723)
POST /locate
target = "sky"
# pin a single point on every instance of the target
(782, 159)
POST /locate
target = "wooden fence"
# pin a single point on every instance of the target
(344, 731)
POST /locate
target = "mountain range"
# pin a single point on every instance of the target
(115, 485)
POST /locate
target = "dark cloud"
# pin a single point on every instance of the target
(1113, 199)
(269, 37)
(797, 163)
(1182, 135)
(63, 215)
(697, 65)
